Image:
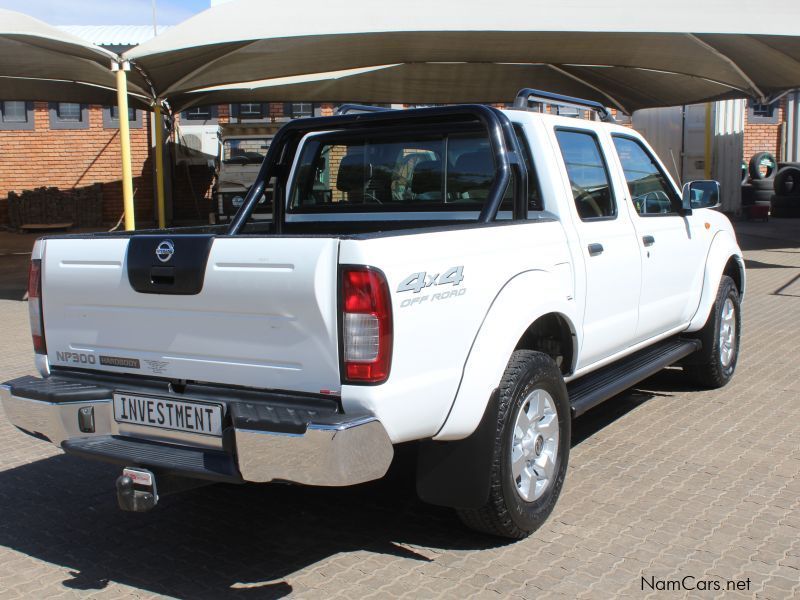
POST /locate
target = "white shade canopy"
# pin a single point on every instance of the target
(729, 43)
(40, 62)
(626, 89)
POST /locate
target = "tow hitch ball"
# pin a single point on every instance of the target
(136, 490)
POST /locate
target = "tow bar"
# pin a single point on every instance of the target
(136, 490)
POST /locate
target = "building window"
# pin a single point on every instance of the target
(765, 114)
(68, 111)
(16, 114)
(115, 113)
(206, 114)
(111, 117)
(298, 110)
(68, 115)
(249, 111)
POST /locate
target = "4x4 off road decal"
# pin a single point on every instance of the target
(416, 282)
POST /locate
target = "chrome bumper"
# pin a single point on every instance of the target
(340, 453)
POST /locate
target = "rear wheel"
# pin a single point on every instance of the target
(713, 365)
(531, 448)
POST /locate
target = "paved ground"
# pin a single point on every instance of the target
(664, 482)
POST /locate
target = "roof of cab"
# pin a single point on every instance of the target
(551, 120)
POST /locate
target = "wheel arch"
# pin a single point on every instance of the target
(734, 269)
(533, 312)
(724, 258)
(554, 334)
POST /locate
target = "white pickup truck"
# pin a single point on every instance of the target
(462, 277)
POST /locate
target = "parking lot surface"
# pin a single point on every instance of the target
(666, 484)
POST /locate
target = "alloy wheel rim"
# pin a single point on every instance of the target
(534, 446)
(727, 333)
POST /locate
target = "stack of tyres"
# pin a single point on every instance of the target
(757, 185)
(786, 200)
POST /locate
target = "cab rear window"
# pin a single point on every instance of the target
(394, 172)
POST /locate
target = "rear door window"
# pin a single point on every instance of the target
(588, 174)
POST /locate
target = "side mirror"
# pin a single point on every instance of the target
(703, 193)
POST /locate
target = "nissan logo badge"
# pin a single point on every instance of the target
(165, 250)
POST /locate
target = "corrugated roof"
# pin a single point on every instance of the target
(113, 35)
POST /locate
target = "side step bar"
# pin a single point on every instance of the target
(594, 388)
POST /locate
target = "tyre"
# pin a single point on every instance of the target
(787, 182)
(785, 206)
(530, 449)
(762, 165)
(764, 185)
(713, 365)
(762, 196)
(748, 195)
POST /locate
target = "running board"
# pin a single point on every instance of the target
(598, 386)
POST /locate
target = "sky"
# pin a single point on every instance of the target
(107, 12)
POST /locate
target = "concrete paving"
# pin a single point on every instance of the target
(665, 484)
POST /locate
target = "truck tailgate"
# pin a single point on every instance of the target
(265, 317)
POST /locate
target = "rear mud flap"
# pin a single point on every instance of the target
(458, 474)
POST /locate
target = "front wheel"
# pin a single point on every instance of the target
(530, 451)
(713, 365)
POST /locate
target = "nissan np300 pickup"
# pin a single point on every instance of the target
(463, 277)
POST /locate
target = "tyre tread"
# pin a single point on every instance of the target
(703, 367)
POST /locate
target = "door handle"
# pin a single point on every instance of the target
(649, 240)
(595, 249)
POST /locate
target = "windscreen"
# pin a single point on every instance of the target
(394, 172)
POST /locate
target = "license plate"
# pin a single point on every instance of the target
(168, 413)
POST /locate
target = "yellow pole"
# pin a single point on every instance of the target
(709, 133)
(125, 143)
(159, 126)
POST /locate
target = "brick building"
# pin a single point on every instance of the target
(72, 146)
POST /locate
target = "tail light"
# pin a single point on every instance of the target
(366, 326)
(35, 306)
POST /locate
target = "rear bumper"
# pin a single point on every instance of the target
(311, 447)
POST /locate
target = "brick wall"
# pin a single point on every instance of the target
(76, 158)
(763, 138)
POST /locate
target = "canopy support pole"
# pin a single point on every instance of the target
(708, 140)
(125, 143)
(159, 135)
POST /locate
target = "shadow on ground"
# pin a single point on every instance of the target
(14, 276)
(219, 541)
(236, 541)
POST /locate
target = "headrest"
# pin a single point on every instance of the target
(473, 170)
(427, 177)
(352, 173)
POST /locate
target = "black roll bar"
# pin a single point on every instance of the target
(527, 95)
(346, 109)
(502, 139)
